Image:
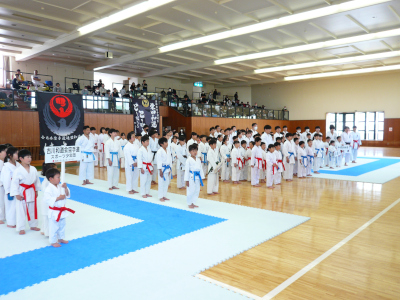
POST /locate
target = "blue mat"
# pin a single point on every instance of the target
(160, 223)
(365, 168)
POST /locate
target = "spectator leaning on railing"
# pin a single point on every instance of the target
(16, 82)
(21, 78)
(36, 80)
(57, 88)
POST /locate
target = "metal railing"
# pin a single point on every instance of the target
(26, 73)
(78, 81)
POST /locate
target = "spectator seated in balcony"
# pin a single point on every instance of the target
(256, 106)
(229, 102)
(100, 84)
(212, 101)
(36, 80)
(215, 94)
(142, 97)
(103, 91)
(57, 88)
(144, 86)
(115, 93)
(138, 87)
(16, 83)
(21, 78)
(124, 93)
(202, 96)
(97, 91)
(85, 90)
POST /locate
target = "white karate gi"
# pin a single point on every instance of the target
(237, 159)
(270, 170)
(106, 137)
(202, 154)
(113, 152)
(332, 155)
(319, 132)
(326, 155)
(28, 206)
(190, 142)
(333, 135)
(56, 229)
(123, 143)
(288, 153)
(10, 205)
(355, 144)
(276, 135)
(263, 173)
(310, 157)
(2, 196)
(248, 164)
(96, 144)
(267, 139)
(254, 132)
(303, 136)
(317, 159)
(154, 146)
(346, 139)
(44, 209)
(279, 162)
(181, 153)
(144, 158)
(143, 133)
(243, 173)
(86, 163)
(164, 163)
(131, 172)
(302, 159)
(339, 153)
(213, 178)
(225, 153)
(100, 144)
(256, 162)
(174, 158)
(296, 163)
(192, 168)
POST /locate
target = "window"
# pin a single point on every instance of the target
(370, 125)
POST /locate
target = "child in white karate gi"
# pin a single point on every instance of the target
(144, 158)
(25, 185)
(3, 154)
(164, 163)
(237, 162)
(225, 153)
(279, 162)
(355, 143)
(44, 208)
(86, 164)
(193, 177)
(326, 151)
(272, 166)
(153, 144)
(317, 153)
(310, 156)
(295, 143)
(339, 152)
(100, 143)
(202, 153)
(123, 141)
(302, 159)
(332, 154)
(9, 167)
(95, 137)
(181, 153)
(346, 138)
(256, 162)
(173, 146)
(113, 155)
(263, 171)
(288, 158)
(213, 168)
(55, 197)
(243, 150)
(131, 169)
(249, 151)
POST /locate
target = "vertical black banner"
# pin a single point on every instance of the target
(61, 119)
(145, 112)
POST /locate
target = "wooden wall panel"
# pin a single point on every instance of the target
(172, 118)
(124, 123)
(19, 128)
(309, 123)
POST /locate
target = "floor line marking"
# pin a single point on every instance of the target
(227, 286)
(311, 265)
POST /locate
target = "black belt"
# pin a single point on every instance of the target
(348, 143)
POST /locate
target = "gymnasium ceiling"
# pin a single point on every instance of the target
(48, 30)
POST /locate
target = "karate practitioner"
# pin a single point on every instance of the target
(249, 152)
(7, 172)
(3, 154)
(266, 137)
(237, 162)
(326, 152)
(86, 164)
(25, 185)
(278, 133)
(181, 153)
(145, 130)
(131, 168)
(193, 177)
(153, 145)
(173, 146)
(44, 207)
(213, 162)
(256, 162)
(106, 137)
(332, 153)
(339, 152)
(310, 156)
(123, 141)
(346, 138)
(355, 143)
(317, 153)
(202, 153)
(272, 166)
(193, 140)
(164, 164)
(145, 157)
(225, 153)
(288, 158)
(100, 143)
(95, 137)
(332, 133)
(55, 197)
(113, 155)
(302, 160)
(254, 128)
(279, 163)
(243, 150)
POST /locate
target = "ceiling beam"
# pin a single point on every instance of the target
(285, 8)
(109, 3)
(15, 46)
(358, 23)
(105, 47)
(125, 44)
(183, 57)
(295, 36)
(3, 36)
(176, 24)
(30, 24)
(387, 45)
(24, 32)
(134, 37)
(394, 12)
(196, 14)
(323, 30)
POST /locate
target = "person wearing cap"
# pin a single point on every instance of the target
(355, 143)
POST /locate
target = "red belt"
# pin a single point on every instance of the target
(148, 168)
(281, 161)
(358, 145)
(27, 187)
(258, 162)
(61, 209)
(264, 164)
(240, 161)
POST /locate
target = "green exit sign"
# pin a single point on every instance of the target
(199, 84)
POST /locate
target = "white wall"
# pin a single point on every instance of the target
(109, 79)
(244, 92)
(59, 71)
(312, 99)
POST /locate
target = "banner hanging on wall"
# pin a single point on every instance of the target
(145, 112)
(61, 119)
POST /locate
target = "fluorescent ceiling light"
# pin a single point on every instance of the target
(304, 16)
(123, 15)
(341, 73)
(330, 62)
(320, 45)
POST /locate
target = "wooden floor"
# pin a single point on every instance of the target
(367, 267)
